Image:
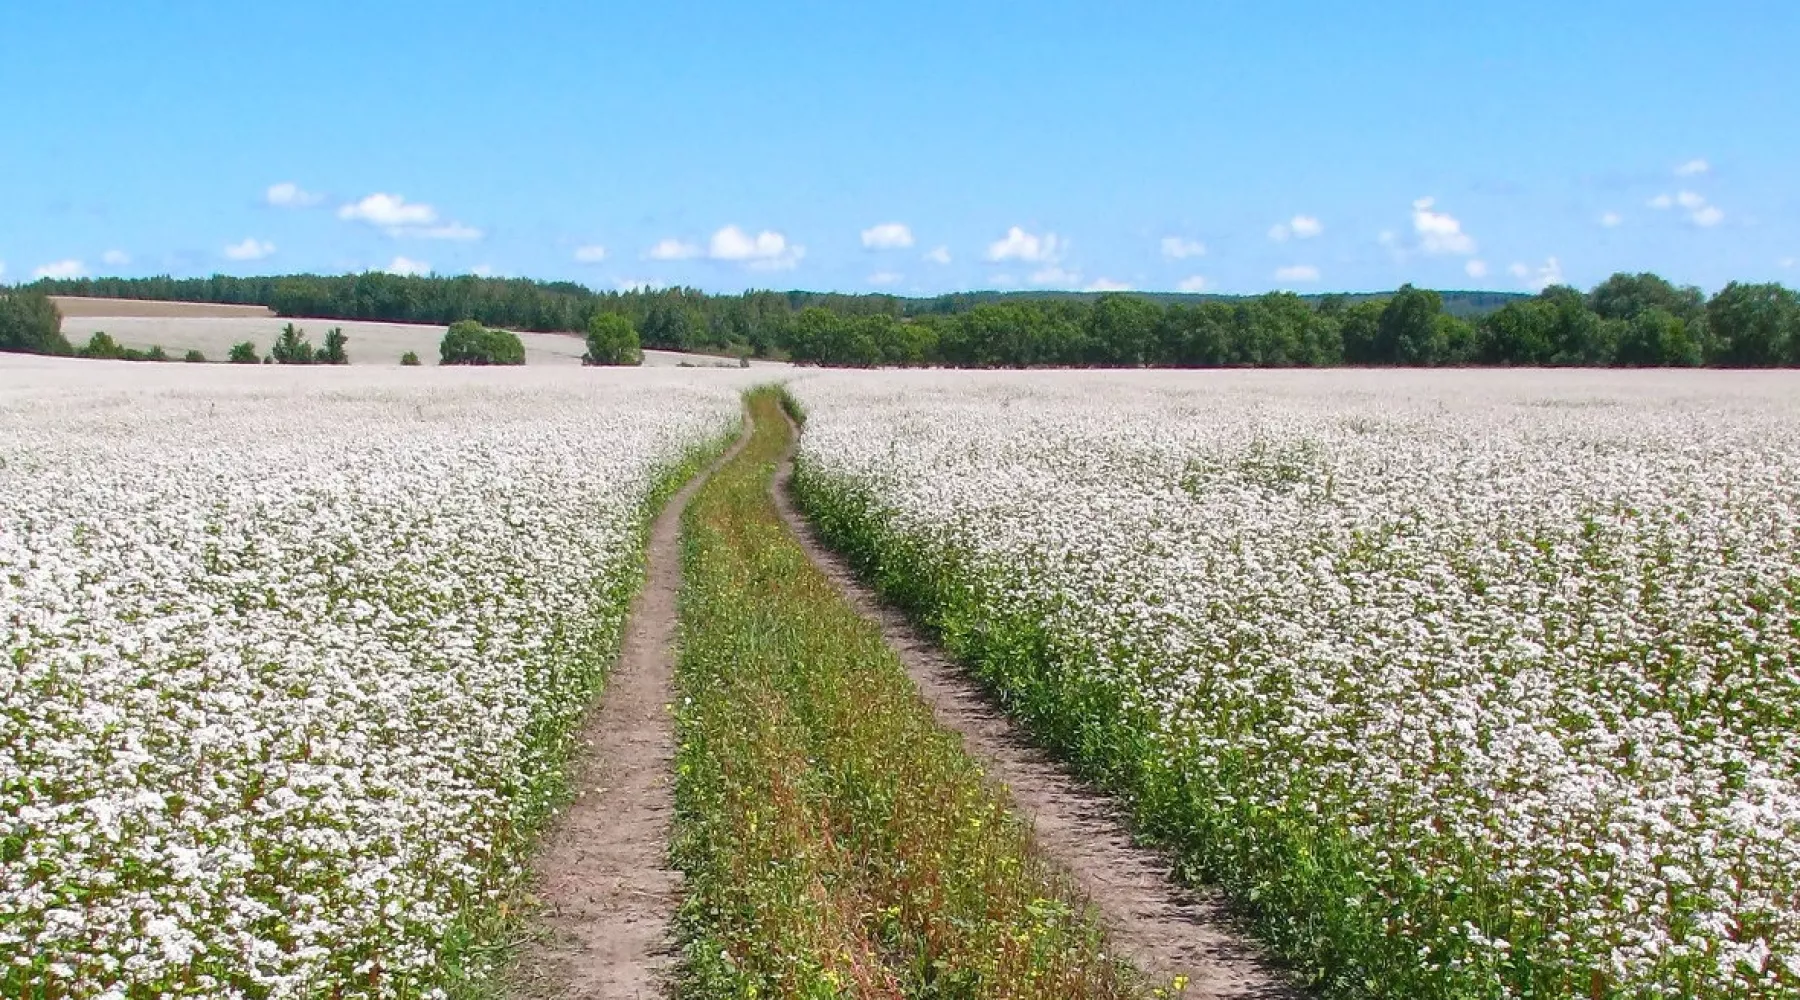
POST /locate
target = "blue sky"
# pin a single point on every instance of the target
(914, 147)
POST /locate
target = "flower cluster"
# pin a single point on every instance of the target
(1473, 684)
(291, 664)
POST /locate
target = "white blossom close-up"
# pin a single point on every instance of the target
(1488, 678)
(292, 661)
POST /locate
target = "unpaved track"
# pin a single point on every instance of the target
(607, 891)
(1163, 928)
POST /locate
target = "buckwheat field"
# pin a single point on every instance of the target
(291, 662)
(1465, 684)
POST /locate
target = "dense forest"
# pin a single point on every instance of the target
(1628, 320)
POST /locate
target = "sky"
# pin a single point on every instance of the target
(916, 148)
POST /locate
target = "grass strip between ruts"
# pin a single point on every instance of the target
(835, 840)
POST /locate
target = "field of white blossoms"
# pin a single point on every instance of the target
(1467, 684)
(291, 661)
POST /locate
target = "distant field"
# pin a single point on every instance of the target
(370, 343)
(72, 305)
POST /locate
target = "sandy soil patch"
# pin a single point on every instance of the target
(75, 305)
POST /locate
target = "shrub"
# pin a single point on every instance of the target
(101, 345)
(244, 354)
(292, 347)
(469, 343)
(410, 359)
(156, 353)
(30, 322)
(612, 340)
(333, 353)
(194, 358)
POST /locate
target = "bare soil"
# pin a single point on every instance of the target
(74, 305)
(1165, 929)
(605, 885)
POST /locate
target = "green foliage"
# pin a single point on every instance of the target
(1754, 326)
(31, 324)
(410, 359)
(244, 354)
(194, 357)
(156, 353)
(469, 343)
(333, 351)
(1068, 329)
(292, 347)
(102, 346)
(835, 841)
(611, 340)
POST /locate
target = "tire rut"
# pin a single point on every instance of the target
(606, 890)
(1165, 929)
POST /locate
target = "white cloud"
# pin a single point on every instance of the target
(61, 269)
(389, 211)
(287, 194)
(1018, 244)
(398, 217)
(1003, 281)
(1195, 283)
(406, 265)
(1176, 248)
(1611, 220)
(1300, 227)
(1693, 168)
(885, 278)
(251, 249)
(115, 258)
(1055, 275)
(482, 270)
(639, 285)
(1476, 269)
(1107, 285)
(1388, 238)
(1439, 232)
(2, 269)
(1539, 278)
(672, 249)
(1787, 262)
(766, 251)
(887, 236)
(939, 255)
(1297, 274)
(593, 253)
(1699, 211)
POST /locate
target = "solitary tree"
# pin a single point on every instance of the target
(612, 340)
(333, 353)
(292, 347)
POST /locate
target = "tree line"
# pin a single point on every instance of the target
(1628, 320)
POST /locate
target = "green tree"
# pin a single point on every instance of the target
(30, 323)
(333, 352)
(292, 347)
(469, 343)
(612, 340)
(1754, 326)
(1408, 333)
(101, 345)
(194, 357)
(244, 354)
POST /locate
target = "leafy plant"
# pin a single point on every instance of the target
(244, 353)
(469, 343)
(410, 359)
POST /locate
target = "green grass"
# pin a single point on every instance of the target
(835, 841)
